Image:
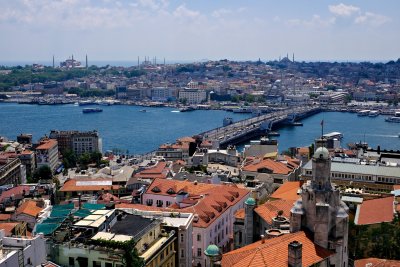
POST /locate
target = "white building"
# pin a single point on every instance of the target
(22, 251)
(192, 96)
(213, 207)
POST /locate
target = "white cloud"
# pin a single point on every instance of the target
(315, 21)
(372, 19)
(343, 10)
(183, 12)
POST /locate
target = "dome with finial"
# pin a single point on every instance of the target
(321, 153)
(212, 251)
(250, 201)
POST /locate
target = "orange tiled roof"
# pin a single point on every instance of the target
(274, 252)
(15, 192)
(158, 171)
(270, 209)
(209, 200)
(29, 208)
(5, 217)
(8, 227)
(303, 150)
(47, 144)
(70, 185)
(275, 166)
(375, 262)
(240, 214)
(287, 191)
(375, 211)
(186, 139)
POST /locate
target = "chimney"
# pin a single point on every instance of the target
(294, 254)
(262, 239)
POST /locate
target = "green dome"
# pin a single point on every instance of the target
(212, 251)
(250, 201)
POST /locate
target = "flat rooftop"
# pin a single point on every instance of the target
(133, 225)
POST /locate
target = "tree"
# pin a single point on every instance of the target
(43, 173)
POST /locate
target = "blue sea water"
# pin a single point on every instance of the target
(126, 128)
(120, 126)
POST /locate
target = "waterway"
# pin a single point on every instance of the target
(120, 126)
(126, 128)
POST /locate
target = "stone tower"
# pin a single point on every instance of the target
(320, 210)
(249, 206)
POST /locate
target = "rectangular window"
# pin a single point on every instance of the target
(198, 237)
(182, 253)
(96, 263)
(71, 261)
(199, 252)
(108, 264)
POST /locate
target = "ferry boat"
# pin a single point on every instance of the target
(91, 110)
(336, 135)
(363, 113)
(85, 103)
(373, 113)
(186, 109)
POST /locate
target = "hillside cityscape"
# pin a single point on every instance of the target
(269, 161)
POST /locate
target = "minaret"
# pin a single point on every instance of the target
(138, 62)
(53, 62)
(293, 57)
(87, 62)
(72, 57)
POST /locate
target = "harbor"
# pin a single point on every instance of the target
(129, 128)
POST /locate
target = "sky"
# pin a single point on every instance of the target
(199, 29)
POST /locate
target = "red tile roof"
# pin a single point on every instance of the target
(375, 262)
(158, 171)
(29, 208)
(45, 145)
(208, 201)
(240, 214)
(15, 192)
(274, 252)
(375, 211)
(287, 191)
(275, 167)
(270, 209)
(8, 227)
(5, 217)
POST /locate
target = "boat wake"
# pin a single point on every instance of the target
(175, 111)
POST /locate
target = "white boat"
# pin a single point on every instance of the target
(373, 113)
(336, 135)
(363, 113)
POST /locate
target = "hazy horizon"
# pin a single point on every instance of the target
(313, 30)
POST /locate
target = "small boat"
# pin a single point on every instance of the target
(373, 113)
(274, 134)
(91, 110)
(363, 113)
(143, 110)
(393, 119)
(186, 109)
(296, 124)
